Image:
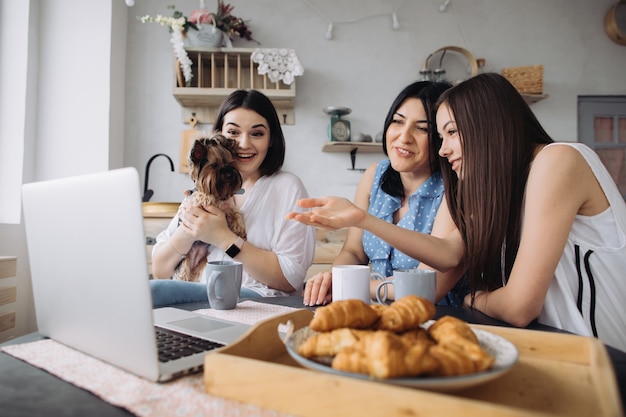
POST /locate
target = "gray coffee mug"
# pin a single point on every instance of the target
(223, 280)
(421, 282)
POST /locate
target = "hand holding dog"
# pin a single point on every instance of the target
(207, 224)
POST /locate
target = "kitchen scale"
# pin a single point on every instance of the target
(338, 128)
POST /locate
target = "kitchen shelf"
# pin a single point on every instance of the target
(363, 147)
(217, 72)
(533, 98)
(353, 148)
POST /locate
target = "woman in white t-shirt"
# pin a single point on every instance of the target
(277, 253)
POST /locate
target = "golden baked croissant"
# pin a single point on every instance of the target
(330, 343)
(379, 308)
(451, 360)
(415, 336)
(352, 313)
(407, 313)
(457, 337)
(351, 359)
(450, 328)
(383, 354)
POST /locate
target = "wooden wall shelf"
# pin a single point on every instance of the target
(217, 72)
(353, 148)
(362, 147)
(533, 98)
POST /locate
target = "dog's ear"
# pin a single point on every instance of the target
(198, 152)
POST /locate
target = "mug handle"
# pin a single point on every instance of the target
(383, 286)
(211, 294)
(379, 277)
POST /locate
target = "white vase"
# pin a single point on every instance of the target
(208, 36)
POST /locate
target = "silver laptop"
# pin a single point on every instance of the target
(90, 280)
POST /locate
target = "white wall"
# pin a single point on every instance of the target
(64, 111)
(366, 65)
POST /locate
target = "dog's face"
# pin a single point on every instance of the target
(211, 166)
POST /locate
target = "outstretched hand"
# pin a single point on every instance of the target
(329, 213)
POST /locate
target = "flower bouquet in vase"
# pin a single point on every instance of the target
(202, 29)
(216, 29)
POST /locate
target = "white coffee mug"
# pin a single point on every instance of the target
(223, 283)
(353, 281)
(421, 282)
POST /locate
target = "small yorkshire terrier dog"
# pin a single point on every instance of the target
(211, 166)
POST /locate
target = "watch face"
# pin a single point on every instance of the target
(341, 131)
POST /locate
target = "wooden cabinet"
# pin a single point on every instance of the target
(328, 244)
(8, 296)
(218, 72)
(156, 217)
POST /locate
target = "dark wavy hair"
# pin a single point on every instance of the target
(258, 102)
(428, 93)
(499, 134)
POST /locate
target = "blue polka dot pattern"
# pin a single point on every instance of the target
(423, 206)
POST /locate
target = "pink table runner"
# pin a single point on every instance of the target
(182, 397)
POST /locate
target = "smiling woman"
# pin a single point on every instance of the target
(277, 253)
(406, 190)
(540, 225)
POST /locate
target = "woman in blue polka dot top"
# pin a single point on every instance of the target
(405, 189)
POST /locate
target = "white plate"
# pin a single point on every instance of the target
(505, 352)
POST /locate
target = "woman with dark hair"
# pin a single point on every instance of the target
(406, 190)
(257, 102)
(277, 253)
(541, 225)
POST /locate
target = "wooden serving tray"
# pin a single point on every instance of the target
(557, 375)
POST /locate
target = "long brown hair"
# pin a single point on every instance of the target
(499, 134)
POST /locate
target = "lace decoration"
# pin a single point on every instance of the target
(279, 64)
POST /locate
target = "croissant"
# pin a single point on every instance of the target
(330, 343)
(353, 313)
(449, 328)
(379, 308)
(383, 354)
(454, 334)
(416, 336)
(407, 313)
(351, 359)
(451, 360)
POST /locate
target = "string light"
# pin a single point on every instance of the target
(329, 32)
(395, 24)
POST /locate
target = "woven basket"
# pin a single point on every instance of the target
(527, 80)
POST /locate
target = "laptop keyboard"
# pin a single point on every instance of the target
(173, 345)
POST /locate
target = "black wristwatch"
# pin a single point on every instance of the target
(234, 249)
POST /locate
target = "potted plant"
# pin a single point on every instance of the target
(222, 21)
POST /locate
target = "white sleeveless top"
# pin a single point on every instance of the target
(588, 293)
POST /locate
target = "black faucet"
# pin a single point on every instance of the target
(147, 194)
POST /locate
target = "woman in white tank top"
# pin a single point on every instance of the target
(540, 225)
